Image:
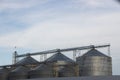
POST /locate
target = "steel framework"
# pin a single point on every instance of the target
(44, 53)
(75, 49)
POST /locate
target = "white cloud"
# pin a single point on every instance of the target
(95, 3)
(20, 4)
(65, 31)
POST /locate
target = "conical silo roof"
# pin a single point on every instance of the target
(59, 57)
(27, 60)
(20, 72)
(94, 52)
(43, 70)
(41, 67)
(20, 69)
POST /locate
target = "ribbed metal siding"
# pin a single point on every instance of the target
(3, 74)
(68, 71)
(65, 69)
(95, 66)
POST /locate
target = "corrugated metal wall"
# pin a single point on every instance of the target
(94, 63)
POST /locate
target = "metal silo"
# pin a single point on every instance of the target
(20, 72)
(42, 71)
(3, 74)
(95, 63)
(59, 62)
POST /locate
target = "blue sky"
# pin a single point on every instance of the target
(38, 25)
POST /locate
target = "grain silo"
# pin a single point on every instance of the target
(95, 63)
(42, 71)
(59, 62)
(4, 73)
(20, 72)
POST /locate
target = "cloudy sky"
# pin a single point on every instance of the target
(38, 25)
